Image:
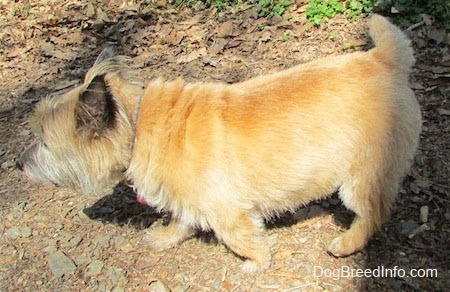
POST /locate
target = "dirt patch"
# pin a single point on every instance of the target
(54, 239)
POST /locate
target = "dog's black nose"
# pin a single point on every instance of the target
(19, 165)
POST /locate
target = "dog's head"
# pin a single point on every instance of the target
(85, 136)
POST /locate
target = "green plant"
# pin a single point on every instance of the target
(357, 8)
(267, 7)
(408, 11)
(220, 3)
(333, 35)
(318, 10)
(285, 37)
(272, 7)
(348, 46)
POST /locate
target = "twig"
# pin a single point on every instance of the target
(299, 287)
(414, 26)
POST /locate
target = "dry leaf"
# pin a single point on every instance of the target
(266, 36)
(444, 112)
(47, 49)
(225, 30)
(192, 56)
(175, 37)
(437, 35)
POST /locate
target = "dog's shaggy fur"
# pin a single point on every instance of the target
(225, 157)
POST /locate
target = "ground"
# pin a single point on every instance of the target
(53, 239)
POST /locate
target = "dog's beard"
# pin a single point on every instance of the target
(40, 164)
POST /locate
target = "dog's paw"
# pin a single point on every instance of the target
(252, 267)
(165, 237)
(336, 247)
(343, 245)
(257, 264)
(157, 239)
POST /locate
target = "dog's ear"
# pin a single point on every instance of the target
(96, 111)
(107, 53)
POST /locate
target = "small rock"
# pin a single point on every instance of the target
(122, 243)
(102, 240)
(25, 133)
(15, 215)
(422, 228)
(127, 247)
(26, 232)
(119, 240)
(416, 199)
(48, 49)
(158, 286)
(13, 232)
(117, 277)
(407, 227)
(50, 249)
(266, 36)
(81, 260)
(210, 62)
(60, 264)
(90, 10)
(423, 214)
(74, 241)
(95, 267)
(443, 112)
(8, 164)
(111, 273)
(303, 240)
(183, 282)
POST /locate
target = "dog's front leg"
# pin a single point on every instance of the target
(165, 237)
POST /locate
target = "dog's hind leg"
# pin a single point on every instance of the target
(242, 232)
(371, 199)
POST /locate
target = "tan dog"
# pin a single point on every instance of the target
(225, 157)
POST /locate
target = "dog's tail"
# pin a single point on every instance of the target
(392, 45)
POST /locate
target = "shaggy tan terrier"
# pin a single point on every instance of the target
(225, 157)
